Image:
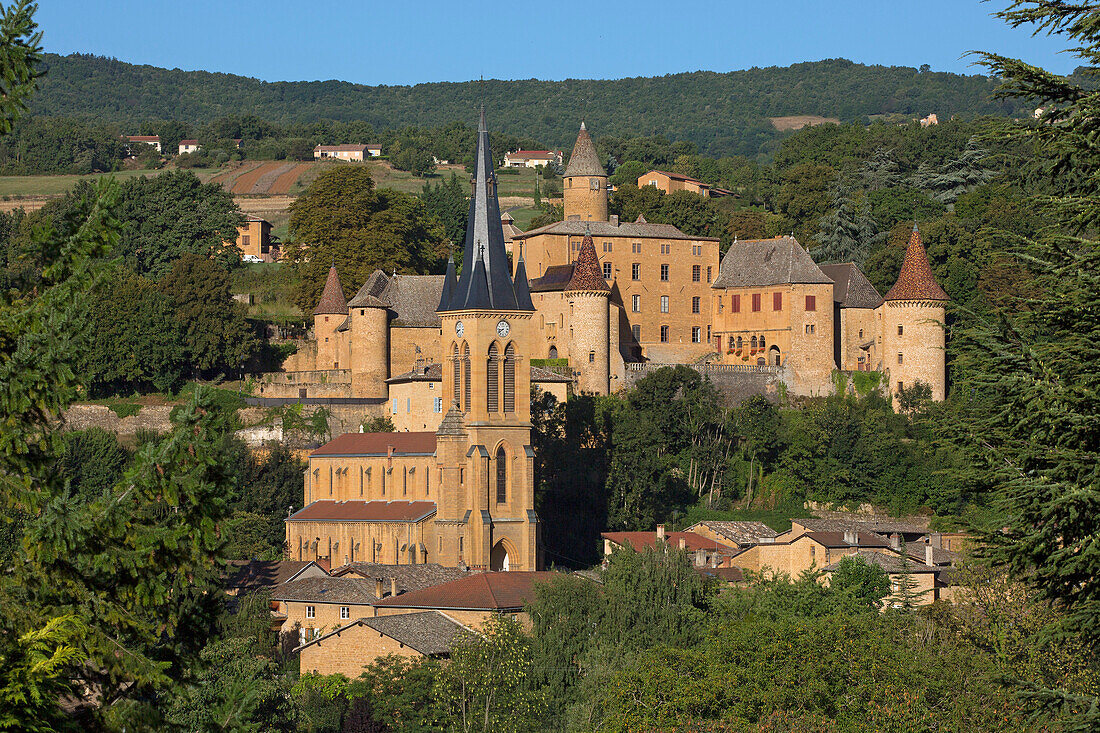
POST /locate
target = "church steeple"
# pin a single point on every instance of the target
(485, 282)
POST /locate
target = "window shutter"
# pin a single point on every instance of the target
(492, 383)
(466, 376)
(510, 378)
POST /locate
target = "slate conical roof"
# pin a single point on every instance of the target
(485, 281)
(584, 161)
(450, 282)
(332, 298)
(586, 268)
(916, 281)
(523, 289)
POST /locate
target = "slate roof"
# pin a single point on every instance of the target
(357, 591)
(428, 632)
(364, 511)
(378, 444)
(486, 282)
(586, 268)
(413, 298)
(257, 574)
(639, 230)
(740, 533)
(332, 297)
(556, 277)
(889, 562)
(374, 286)
(453, 422)
(505, 591)
(584, 161)
(851, 288)
(836, 539)
(763, 262)
(728, 575)
(692, 541)
(408, 577)
(879, 526)
(916, 281)
(940, 556)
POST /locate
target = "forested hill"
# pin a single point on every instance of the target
(722, 113)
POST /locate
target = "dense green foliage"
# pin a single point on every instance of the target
(722, 114)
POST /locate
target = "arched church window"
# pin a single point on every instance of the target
(510, 378)
(457, 372)
(466, 377)
(492, 381)
(553, 352)
(502, 475)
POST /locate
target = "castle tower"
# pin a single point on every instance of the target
(588, 296)
(584, 183)
(331, 311)
(486, 502)
(913, 325)
(369, 357)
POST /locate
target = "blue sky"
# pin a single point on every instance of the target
(408, 42)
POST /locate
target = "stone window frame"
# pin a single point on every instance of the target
(664, 272)
(664, 334)
(345, 612)
(636, 271)
(311, 611)
(696, 334)
(664, 304)
(696, 304)
(696, 273)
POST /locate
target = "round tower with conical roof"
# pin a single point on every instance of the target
(584, 183)
(588, 296)
(913, 313)
(370, 362)
(330, 313)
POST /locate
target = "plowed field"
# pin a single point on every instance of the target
(245, 183)
(284, 182)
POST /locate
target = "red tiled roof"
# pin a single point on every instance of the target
(675, 177)
(586, 269)
(332, 299)
(692, 541)
(378, 444)
(189, 142)
(364, 511)
(530, 154)
(916, 281)
(343, 148)
(143, 138)
(507, 591)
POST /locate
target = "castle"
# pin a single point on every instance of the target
(608, 297)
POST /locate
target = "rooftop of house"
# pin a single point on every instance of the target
(364, 511)
(637, 230)
(764, 262)
(261, 574)
(726, 575)
(675, 177)
(189, 142)
(692, 541)
(379, 444)
(531, 154)
(842, 539)
(352, 591)
(851, 288)
(408, 577)
(877, 525)
(342, 148)
(143, 138)
(887, 561)
(740, 533)
(428, 632)
(504, 591)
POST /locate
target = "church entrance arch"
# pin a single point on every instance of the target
(499, 558)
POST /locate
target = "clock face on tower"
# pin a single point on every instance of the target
(459, 328)
(503, 328)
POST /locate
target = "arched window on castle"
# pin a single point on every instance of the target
(510, 378)
(457, 373)
(502, 475)
(492, 381)
(740, 342)
(752, 343)
(466, 377)
(762, 344)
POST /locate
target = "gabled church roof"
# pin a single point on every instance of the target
(586, 269)
(485, 282)
(584, 161)
(916, 281)
(332, 298)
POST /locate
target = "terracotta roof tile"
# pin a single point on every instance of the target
(506, 591)
(364, 511)
(692, 541)
(916, 281)
(332, 298)
(586, 269)
(375, 444)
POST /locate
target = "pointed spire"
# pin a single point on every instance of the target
(332, 300)
(523, 290)
(587, 274)
(485, 282)
(450, 283)
(584, 161)
(916, 280)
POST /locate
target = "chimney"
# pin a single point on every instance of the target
(895, 541)
(700, 557)
(683, 544)
(660, 531)
(393, 587)
(851, 537)
(613, 220)
(928, 555)
(936, 540)
(378, 588)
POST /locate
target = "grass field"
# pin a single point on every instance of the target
(36, 186)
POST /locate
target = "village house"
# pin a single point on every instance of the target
(254, 240)
(349, 648)
(189, 146)
(705, 551)
(473, 599)
(736, 534)
(151, 140)
(347, 152)
(531, 158)
(672, 182)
